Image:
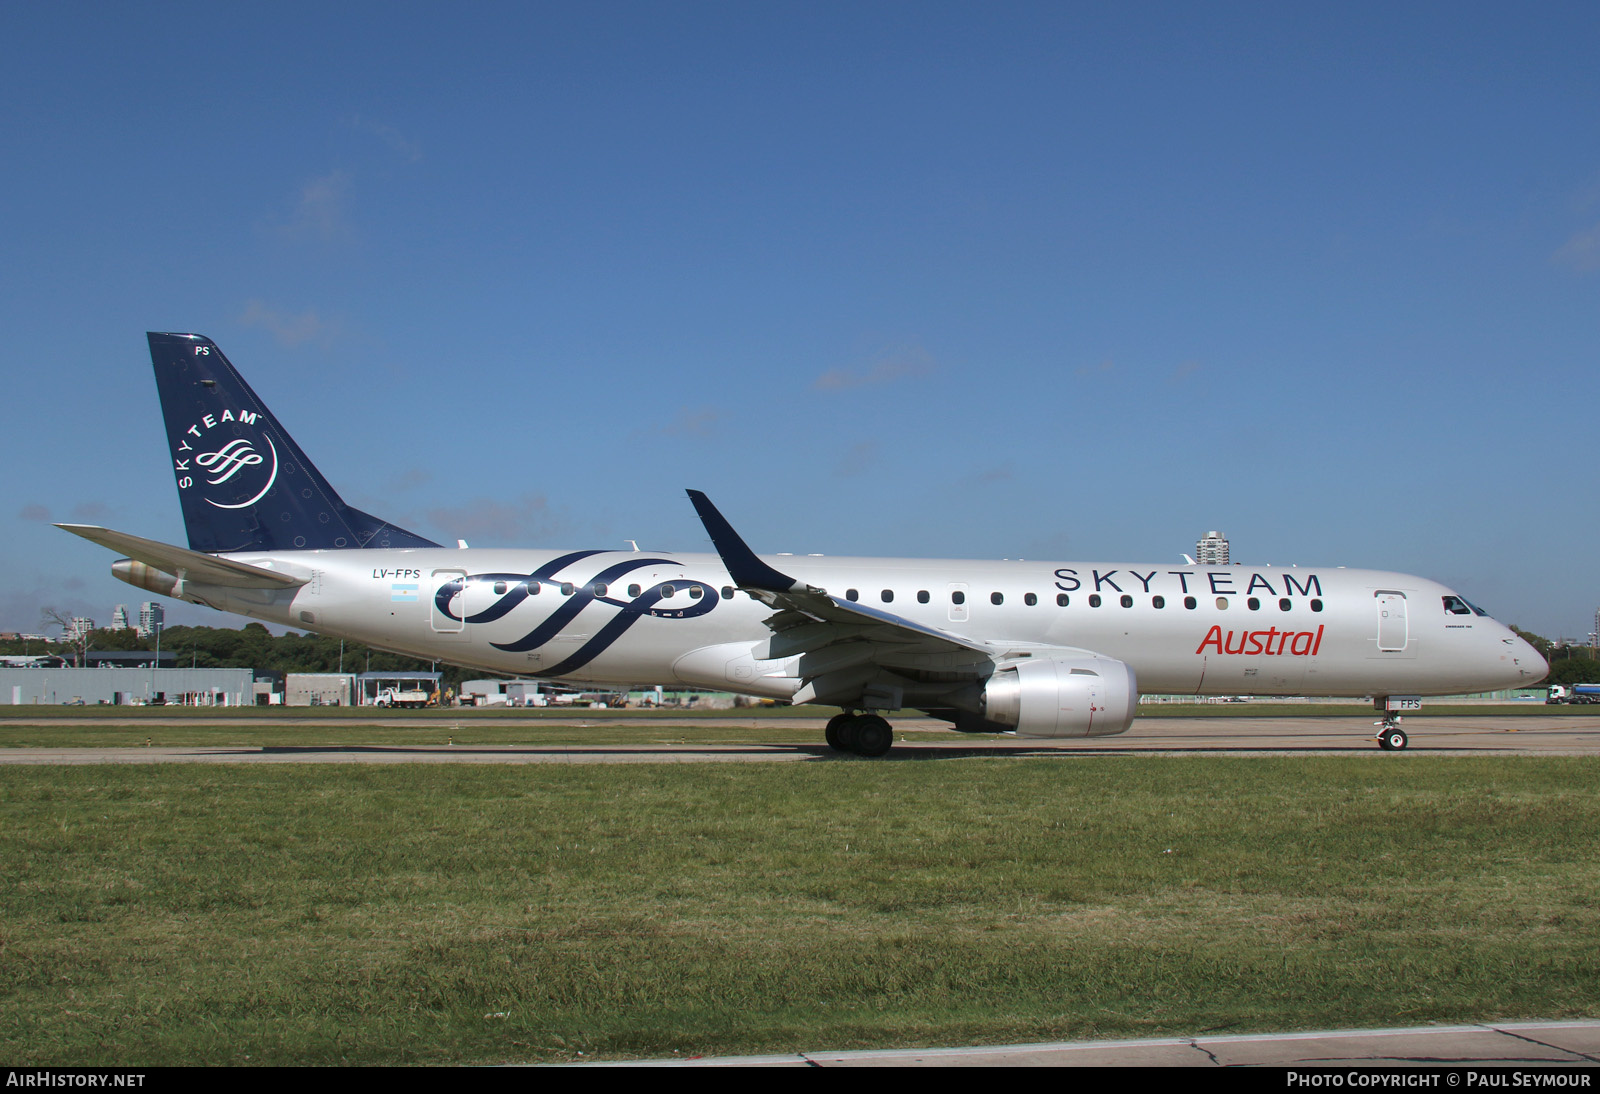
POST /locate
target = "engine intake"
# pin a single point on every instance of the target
(1062, 697)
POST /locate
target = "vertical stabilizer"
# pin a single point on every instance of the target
(244, 484)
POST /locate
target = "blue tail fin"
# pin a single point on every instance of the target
(244, 484)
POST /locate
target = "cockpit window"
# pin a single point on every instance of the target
(1454, 605)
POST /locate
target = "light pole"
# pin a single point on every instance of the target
(155, 661)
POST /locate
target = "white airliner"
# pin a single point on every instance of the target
(1040, 649)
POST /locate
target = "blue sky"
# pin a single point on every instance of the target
(968, 280)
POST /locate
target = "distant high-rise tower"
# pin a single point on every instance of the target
(119, 618)
(151, 617)
(1212, 550)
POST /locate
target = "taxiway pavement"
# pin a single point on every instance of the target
(1498, 1046)
(1261, 736)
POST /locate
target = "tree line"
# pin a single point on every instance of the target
(1568, 664)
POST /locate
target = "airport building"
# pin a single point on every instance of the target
(319, 689)
(129, 659)
(127, 686)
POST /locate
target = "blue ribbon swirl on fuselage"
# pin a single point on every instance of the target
(513, 596)
(629, 612)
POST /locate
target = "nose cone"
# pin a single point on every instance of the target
(1528, 661)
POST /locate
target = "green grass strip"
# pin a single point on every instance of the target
(177, 914)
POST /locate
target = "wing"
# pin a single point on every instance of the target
(848, 653)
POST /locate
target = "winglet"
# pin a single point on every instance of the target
(747, 571)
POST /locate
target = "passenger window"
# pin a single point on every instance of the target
(1316, 605)
(566, 588)
(1284, 604)
(727, 592)
(922, 596)
(600, 588)
(996, 598)
(1222, 603)
(1254, 603)
(696, 592)
(1094, 600)
(888, 596)
(1158, 602)
(1127, 601)
(667, 591)
(499, 588)
(634, 590)
(1062, 600)
(1190, 602)
(958, 597)
(533, 588)
(1030, 600)
(851, 595)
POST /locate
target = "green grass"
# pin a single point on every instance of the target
(442, 914)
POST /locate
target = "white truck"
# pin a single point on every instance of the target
(396, 696)
(1573, 693)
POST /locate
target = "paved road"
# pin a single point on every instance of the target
(1472, 736)
(1534, 1045)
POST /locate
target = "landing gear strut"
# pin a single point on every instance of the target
(862, 734)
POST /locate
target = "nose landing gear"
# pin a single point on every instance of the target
(862, 734)
(1391, 738)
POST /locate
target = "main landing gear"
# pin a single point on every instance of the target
(863, 734)
(1391, 738)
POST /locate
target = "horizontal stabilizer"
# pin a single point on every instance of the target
(180, 562)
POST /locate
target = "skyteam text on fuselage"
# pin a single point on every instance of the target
(1059, 649)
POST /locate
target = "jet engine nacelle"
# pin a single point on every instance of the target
(1073, 696)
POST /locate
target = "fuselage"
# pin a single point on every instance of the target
(642, 618)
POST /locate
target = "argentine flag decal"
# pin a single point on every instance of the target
(403, 592)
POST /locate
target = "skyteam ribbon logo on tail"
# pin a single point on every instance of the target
(235, 469)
